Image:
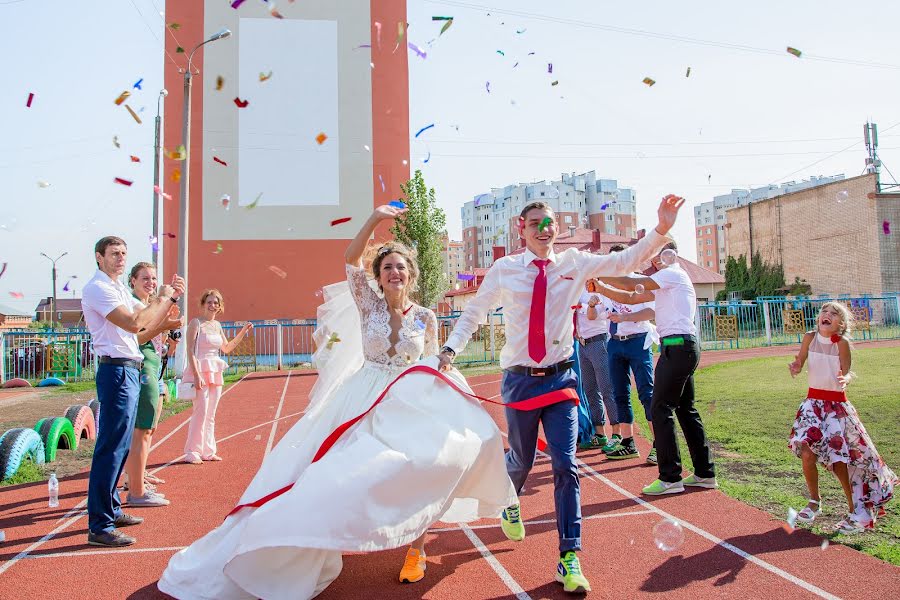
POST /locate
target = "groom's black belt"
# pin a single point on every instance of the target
(542, 371)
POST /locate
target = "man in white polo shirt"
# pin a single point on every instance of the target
(114, 319)
(673, 390)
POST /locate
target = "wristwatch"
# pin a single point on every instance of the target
(449, 350)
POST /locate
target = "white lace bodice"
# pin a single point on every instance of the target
(418, 330)
(824, 363)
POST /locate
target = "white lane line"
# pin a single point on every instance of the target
(277, 413)
(96, 552)
(712, 538)
(501, 572)
(545, 521)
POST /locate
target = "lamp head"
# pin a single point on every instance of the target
(163, 92)
(220, 35)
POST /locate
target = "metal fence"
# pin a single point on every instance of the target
(35, 355)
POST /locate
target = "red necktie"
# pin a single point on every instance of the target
(537, 345)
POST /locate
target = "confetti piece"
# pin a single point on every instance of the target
(274, 12)
(446, 27)
(441, 18)
(253, 204)
(174, 26)
(43, 184)
(332, 340)
(3, 269)
(427, 127)
(367, 148)
(241, 103)
(339, 221)
(220, 81)
(220, 161)
(320, 139)
(465, 277)
(124, 182)
(134, 158)
(401, 31)
(886, 226)
(555, 82)
(487, 86)
(549, 67)
(154, 244)
(688, 74)
(30, 98)
(427, 158)
(179, 50)
(236, 4)
(278, 271)
(515, 65)
(397, 204)
(378, 33)
(225, 201)
(501, 53)
(159, 191)
(176, 175)
(17, 295)
(604, 207)
(568, 278)
(116, 141)
(521, 31)
(218, 249)
(171, 236)
(381, 179)
(575, 306)
(122, 97)
(264, 76)
(794, 51)
(421, 53)
(134, 115)
(178, 154)
(649, 81)
(363, 46)
(137, 84)
(545, 223)
(824, 545)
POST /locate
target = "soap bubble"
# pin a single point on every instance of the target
(668, 535)
(225, 201)
(842, 196)
(145, 379)
(668, 257)
(639, 288)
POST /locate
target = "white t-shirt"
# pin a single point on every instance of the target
(100, 297)
(586, 327)
(676, 302)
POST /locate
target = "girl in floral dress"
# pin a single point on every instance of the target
(828, 429)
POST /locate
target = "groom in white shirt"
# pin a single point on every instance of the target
(538, 289)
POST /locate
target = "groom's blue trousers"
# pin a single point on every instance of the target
(560, 423)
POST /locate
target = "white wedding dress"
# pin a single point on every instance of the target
(426, 453)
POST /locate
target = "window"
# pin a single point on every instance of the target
(709, 252)
(721, 261)
(708, 231)
(708, 264)
(542, 194)
(709, 242)
(568, 218)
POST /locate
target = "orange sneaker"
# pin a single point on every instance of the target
(413, 567)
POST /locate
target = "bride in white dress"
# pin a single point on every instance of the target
(426, 453)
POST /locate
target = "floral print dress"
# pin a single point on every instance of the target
(835, 434)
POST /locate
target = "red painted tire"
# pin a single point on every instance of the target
(16, 382)
(82, 418)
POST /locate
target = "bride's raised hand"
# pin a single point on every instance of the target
(385, 212)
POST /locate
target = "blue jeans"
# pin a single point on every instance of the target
(118, 388)
(630, 356)
(561, 428)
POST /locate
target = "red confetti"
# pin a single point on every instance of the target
(220, 161)
(575, 306)
(339, 221)
(162, 193)
(569, 278)
(122, 181)
(17, 295)
(30, 98)
(241, 103)
(835, 338)
(170, 235)
(135, 159)
(321, 138)
(886, 226)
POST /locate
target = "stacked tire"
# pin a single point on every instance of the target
(17, 445)
(82, 418)
(55, 433)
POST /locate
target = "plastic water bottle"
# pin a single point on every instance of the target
(53, 487)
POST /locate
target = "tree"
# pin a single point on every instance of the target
(421, 227)
(760, 279)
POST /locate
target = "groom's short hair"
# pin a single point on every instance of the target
(535, 205)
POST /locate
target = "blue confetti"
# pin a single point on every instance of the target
(137, 84)
(397, 204)
(420, 324)
(424, 129)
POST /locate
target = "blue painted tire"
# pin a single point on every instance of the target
(17, 445)
(51, 381)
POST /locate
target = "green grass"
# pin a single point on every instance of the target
(748, 408)
(27, 473)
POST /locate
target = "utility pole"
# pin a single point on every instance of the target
(157, 150)
(53, 301)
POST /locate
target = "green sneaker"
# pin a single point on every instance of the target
(568, 573)
(511, 523)
(658, 488)
(704, 482)
(613, 443)
(651, 457)
(623, 452)
(597, 441)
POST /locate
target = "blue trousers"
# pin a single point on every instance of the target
(560, 423)
(117, 391)
(596, 382)
(630, 356)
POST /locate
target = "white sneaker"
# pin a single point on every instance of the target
(148, 499)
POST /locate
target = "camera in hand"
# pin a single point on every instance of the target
(175, 334)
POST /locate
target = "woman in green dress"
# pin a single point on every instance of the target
(141, 488)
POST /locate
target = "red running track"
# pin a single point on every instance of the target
(730, 550)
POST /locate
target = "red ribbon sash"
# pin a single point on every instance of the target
(828, 395)
(567, 394)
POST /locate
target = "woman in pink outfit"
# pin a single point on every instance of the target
(205, 339)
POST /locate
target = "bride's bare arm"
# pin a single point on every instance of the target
(353, 255)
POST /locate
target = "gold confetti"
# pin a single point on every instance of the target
(264, 76)
(122, 97)
(134, 115)
(218, 248)
(794, 51)
(332, 340)
(176, 175)
(321, 138)
(255, 202)
(649, 81)
(178, 154)
(220, 82)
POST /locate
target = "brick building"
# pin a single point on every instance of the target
(68, 311)
(11, 318)
(840, 237)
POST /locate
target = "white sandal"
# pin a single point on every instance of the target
(848, 526)
(808, 515)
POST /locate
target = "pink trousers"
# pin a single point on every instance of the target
(201, 438)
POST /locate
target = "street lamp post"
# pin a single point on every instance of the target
(186, 175)
(53, 302)
(157, 160)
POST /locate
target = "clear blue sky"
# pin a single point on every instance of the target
(749, 114)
